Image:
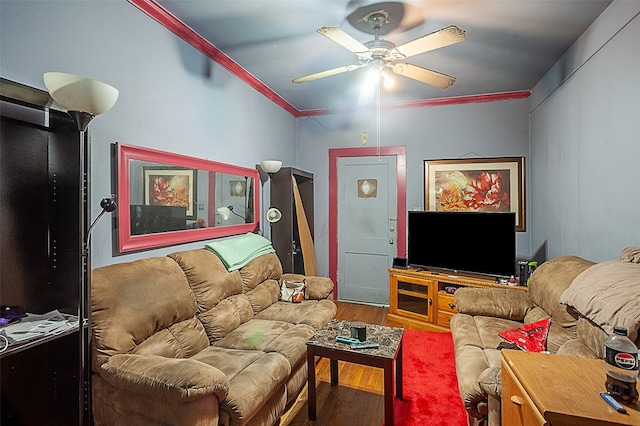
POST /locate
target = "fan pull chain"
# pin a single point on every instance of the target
(378, 119)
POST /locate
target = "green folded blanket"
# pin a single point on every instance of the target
(238, 251)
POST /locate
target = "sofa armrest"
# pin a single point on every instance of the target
(164, 379)
(493, 302)
(318, 288)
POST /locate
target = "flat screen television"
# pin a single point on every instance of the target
(473, 242)
(153, 219)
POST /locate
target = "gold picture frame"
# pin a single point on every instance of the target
(476, 184)
(170, 186)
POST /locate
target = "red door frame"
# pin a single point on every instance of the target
(401, 193)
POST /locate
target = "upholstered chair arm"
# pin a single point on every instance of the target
(164, 379)
(490, 381)
(493, 302)
(317, 287)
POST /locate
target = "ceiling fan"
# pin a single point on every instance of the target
(381, 55)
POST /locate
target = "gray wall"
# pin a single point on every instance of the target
(585, 143)
(171, 97)
(581, 142)
(495, 129)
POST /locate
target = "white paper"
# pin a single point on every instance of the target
(34, 326)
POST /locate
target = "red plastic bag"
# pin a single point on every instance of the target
(530, 337)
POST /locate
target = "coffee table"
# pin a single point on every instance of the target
(388, 355)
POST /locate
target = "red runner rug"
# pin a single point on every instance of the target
(430, 387)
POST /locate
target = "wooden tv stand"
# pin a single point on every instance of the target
(418, 299)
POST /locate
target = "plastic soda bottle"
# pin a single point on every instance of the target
(621, 358)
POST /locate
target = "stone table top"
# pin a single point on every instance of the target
(387, 337)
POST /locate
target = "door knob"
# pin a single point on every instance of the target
(390, 240)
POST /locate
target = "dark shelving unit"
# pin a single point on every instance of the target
(43, 214)
(284, 233)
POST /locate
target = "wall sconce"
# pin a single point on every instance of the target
(237, 188)
(274, 215)
(226, 212)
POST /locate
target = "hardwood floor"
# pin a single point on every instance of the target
(358, 399)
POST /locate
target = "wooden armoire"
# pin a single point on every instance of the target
(285, 235)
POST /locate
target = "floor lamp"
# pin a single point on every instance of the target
(273, 214)
(83, 98)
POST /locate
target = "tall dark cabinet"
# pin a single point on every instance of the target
(43, 209)
(285, 236)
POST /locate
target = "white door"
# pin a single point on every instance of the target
(367, 227)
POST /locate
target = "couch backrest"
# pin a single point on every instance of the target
(228, 299)
(145, 306)
(550, 280)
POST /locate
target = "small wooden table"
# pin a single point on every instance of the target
(541, 389)
(388, 355)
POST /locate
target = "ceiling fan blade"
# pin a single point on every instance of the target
(424, 75)
(343, 39)
(327, 73)
(444, 37)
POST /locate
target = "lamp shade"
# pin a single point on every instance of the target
(273, 215)
(271, 166)
(76, 93)
(225, 212)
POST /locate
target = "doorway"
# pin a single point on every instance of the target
(358, 268)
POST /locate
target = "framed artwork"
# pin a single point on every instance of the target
(168, 186)
(476, 184)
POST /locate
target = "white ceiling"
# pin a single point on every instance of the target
(509, 46)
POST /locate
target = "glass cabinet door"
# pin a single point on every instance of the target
(414, 297)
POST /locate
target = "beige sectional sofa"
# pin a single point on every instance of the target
(573, 292)
(179, 340)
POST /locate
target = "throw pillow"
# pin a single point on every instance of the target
(530, 337)
(608, 294)
(293, 291)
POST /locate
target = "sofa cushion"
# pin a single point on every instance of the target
(208, 277)
(132, 301)
(164, 379)
(317, 287)
(263, 295)
(180, 340)
(593, 337)
(588, 343)
(513, 305)
(548, 282)
(254, 376)
(226, 316)
(270, 336)
(557, 334)
(315, 313)
(260, 269)
(488, 329)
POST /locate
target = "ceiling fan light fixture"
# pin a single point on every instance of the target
(372, 78)
(380, 55)
(388, 81)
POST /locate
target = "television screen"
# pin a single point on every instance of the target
(482, 243)
(153, 219)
